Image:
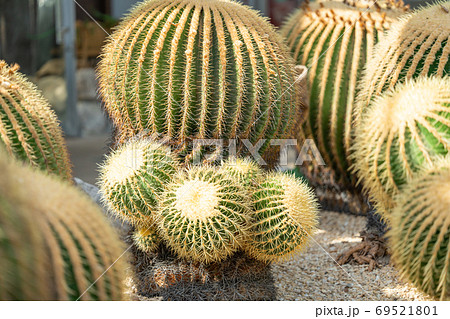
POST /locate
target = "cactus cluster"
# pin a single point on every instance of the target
(29, 129)
(335, 39)
(188, 69)
(55, 243)
(420, 233)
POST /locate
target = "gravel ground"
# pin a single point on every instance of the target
(313, 275)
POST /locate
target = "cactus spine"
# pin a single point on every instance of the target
(203, 215)
(420, 234)
(419, 45)
(146, 239)
(285, 216)
(198, 70)
(246, 172)
(134, 176)
(401, 131)
(79, 243)
(335, 39)
(28, 127)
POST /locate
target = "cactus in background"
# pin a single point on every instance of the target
(146, 239)
(203, 215)
(285, 216)
(335, 39)
(401, 131)
(246, 172)
(419, 45)
(28, 127)
(420, 233)
(78, 242)
(190, 69)
(134, 176)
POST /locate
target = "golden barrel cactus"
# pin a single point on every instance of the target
(29, 129)
(146, 239)
(198, 69)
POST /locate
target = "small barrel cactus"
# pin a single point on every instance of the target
(134, 176)
(400, 132)
(420, 235)
(198, 70)
(418, 45)
(82, 255)
(146, 239)
(29, 129)
(284, 218)
(335, 39)
(246, 172)
(203, 215)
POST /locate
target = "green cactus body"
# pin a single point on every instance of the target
(285, 216)
(420, 235)
(418, 45)
(246, 172)
(400, 132)
(77, 245)
(28, 127)
(334, 39)
(146, 239)
(134, 176)
(203, 215)
(198, 69)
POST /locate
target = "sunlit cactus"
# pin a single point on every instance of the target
(204, 214)
(419, 45)
(133, 178)
(420, 234)
(29, 129)
(245, 171)
(199, 69)
(400, 132)
(55, 243)
(334, 39)
(146, 239)
(284, 218)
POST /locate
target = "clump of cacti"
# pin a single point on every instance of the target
(416, 46)
(69, 237)
(284, 217)
(420, 233)
(203, 215)
(146, 239)
(29, 129)
(134, 176)
(401, 130)
(189, 69)
(335, 39)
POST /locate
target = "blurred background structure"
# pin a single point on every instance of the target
(57, 44)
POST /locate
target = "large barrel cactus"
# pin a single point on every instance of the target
(70, 251)
(335, 39)
(29, 129)
(420, 234)
(400, 132)
(190, 69)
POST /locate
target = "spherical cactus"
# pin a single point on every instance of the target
(420, 233)
(401, 131)
(146, 239)
(198, 69)
(29, 129)
(246, 172)
(335, 39)
(81, 253)
(418, 45)
(134, 176)
(285, 216)
(204, 214)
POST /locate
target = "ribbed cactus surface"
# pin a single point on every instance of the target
(83, 257)
(284, 218)
(203, 215)
(146, 239)
(334, 39)
(245, 171)
(28, 127)
(419, 45)
(133, 178)
(420, 234)
(198, 69)
(400, 132)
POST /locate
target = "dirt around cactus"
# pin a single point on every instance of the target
(314, 275)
